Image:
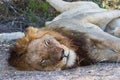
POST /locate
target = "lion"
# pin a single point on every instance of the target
(70, 40)
(58, 48)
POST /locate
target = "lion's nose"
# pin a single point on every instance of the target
(62, 54)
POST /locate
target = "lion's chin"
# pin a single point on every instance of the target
(69, 58)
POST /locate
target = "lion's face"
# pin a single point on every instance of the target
(42, 50)
(47, 53)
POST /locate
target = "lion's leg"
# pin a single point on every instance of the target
(105, 55)
(101, 38)
(114, 27)
(104, 39)
(62, 6)
(93, 32)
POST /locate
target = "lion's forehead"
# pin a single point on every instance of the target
(50, 38)
(39, 44)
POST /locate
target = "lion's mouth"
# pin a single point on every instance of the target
(66, 54)
(69, 57)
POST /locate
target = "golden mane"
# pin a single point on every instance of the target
(33, 33)
(18, 52)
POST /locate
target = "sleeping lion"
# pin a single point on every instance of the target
(53, 48)
(77, 40)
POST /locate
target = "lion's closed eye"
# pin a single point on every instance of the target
(47, 43)
(42, 61)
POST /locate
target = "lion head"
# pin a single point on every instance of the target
(42, 50)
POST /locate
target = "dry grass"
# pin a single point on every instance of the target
(111, 4)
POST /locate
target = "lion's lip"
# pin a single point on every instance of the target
(69, 58)
(66, 56)
(68, 52)
(65, 52)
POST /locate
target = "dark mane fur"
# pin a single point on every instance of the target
(80, 41)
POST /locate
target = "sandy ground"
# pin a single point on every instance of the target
(101, 71)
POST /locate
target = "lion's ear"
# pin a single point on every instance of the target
(31, 29)
(31, 32)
